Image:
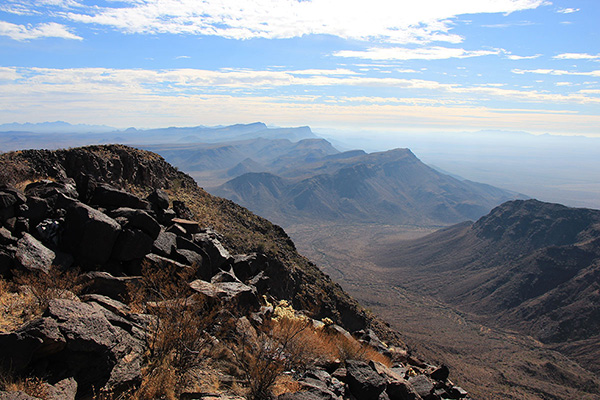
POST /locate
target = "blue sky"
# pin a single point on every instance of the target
(461, 65)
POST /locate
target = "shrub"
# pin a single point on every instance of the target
(176, 338)
(30, 292)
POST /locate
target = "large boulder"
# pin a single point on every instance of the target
(423, 385)
(115, 287)
(89, 234)
(165, 244)
(46, 189)
(74, 339)
(158, 199)
(132, 244)
(36, 209)
(247, 266)
(6, 237)
(10, 199)
(32, 255)
(363, 381)
(235, 294)
(215, 250)
(10, 196)
(138, 219)
(106, 195)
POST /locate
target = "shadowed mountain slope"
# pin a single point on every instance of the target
(527, 265)
(263, 154)
(392, 186)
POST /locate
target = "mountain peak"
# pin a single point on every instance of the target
(536, 223)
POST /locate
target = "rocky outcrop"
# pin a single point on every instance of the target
(79, 221)
(372, 380)
(71, 336)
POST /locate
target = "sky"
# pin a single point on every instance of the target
(377, 65)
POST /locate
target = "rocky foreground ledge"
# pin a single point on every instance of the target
(130, 297)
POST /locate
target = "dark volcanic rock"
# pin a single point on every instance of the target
(440, 374)
(139, 219)
(47, 188)
(215, 250)
(246, 266)
(192, 258)
(33, 255)
(6, 237)
(363, 381)
(235, 293)
(89, 234)
(165, 244)
(159, 199)
(36, 210)
(190, 226)
(107, 196)
(182, 210)
(422, 385)
(105, 284)
(91, 338)
(131, 244)
(10, 196)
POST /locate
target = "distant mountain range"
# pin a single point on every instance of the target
(54, 127)
(54, 135)
(232, 158)
(527, 265)
(386, 187)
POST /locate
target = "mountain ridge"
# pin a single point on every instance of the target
(386, 186)
(528, 265)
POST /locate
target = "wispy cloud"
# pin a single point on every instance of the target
(185, 82)
(182, 57)
(38, 7)
(567, 10)
(509, 24)
(545, 71)
(402, 53)
(577, 56)
(515, 57)
(421, 22)
(29, 32)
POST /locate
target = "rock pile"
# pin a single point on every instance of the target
(108, 234)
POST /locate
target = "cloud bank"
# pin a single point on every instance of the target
(399, 21)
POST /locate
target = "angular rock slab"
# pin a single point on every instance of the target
(90, 234)
(33, 255)
(139, 219)
(364, 382)
(74, 339)
(235, 293)
(108, 196)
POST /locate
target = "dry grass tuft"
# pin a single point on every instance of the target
(16, 306)
(34, 387)
(28, 295)
(56, 284)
